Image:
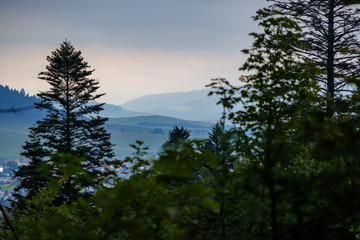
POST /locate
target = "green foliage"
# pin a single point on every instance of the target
(350, 2)
(138, 161)
(161, 203)
(295, 160)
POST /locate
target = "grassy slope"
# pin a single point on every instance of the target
(12, 137)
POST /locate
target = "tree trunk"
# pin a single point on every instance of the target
(330, 58)
(67, 108)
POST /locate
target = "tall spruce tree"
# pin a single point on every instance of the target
(72, 126)
(330, 31)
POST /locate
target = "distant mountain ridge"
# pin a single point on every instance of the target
(192, 105)
(115, 111)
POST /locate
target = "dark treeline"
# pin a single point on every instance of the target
(10, 96)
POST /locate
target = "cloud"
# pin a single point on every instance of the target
(200, 24)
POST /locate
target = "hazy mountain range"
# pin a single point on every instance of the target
(148, 118)
(193, 105)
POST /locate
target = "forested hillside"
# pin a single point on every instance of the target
(11, 98)
(17, 106)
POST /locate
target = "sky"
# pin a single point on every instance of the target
(137, 47)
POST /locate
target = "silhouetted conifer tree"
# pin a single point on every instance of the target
(72, 125)
(177, 134)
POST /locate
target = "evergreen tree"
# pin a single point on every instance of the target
(221, 144)
(72, 125)
(218, 141)
(223, 180)
(330, 32)
(177, 134)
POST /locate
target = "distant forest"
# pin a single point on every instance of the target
(9, 96)
(17, 102)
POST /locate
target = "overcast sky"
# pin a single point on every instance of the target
(136, 47)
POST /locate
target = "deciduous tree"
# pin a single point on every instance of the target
(276, 97)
